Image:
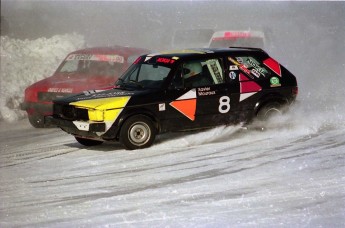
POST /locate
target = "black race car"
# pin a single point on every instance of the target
(178, 91)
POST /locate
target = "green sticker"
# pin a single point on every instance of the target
(274, 81)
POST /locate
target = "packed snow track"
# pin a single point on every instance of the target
(287, 175)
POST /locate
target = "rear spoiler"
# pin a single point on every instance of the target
(250, 48)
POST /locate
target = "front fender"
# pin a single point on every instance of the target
(113, 132)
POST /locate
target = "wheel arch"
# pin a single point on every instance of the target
(136, 112)
(269, 98)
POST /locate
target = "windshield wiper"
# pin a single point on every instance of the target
(132, 84)
(135, 83)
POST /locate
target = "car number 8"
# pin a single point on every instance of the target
(224, 104)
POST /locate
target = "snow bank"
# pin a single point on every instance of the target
(24, 62)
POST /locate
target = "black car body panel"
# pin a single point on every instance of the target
(180, 90)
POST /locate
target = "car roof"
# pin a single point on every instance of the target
(199, 52)
(119, 50)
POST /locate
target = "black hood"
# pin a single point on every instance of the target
(97, 94)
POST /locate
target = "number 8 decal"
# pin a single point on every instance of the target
(224, 104)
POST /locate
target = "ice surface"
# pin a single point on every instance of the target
(290, 175)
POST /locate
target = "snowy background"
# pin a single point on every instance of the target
(291, 175)
(24, 62)
(306, 37)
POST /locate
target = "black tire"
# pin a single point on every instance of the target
(269, 110)
(88, 142)
(137, 132)
(36, 121)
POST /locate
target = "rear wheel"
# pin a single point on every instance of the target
(88, 142)
(269, 110)
(137, 132)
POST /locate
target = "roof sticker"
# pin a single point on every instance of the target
(273, 65)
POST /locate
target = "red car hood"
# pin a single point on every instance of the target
(67, 84)
(72, 83)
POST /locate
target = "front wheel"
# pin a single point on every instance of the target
(88, 142)
(36, 121)
(137, 132)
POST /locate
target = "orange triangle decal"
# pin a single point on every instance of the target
(186, 107)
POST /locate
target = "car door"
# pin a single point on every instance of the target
(198, 95)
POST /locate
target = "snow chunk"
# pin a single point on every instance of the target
(24, 62)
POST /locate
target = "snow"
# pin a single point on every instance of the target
(291, 175)
(24, 62)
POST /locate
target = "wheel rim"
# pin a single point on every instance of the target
(272, 112)
(139, 133)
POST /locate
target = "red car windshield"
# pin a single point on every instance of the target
(88, 65)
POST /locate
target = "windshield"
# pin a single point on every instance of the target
(144, 76)
(91, 65)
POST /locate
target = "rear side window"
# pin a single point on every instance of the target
(250, 66)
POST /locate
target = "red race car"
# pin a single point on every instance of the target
(91, 68)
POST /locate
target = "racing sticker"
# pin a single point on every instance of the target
(232, 75)
(205, 91)
(96, 95)
(233, 67)
(89, 92)
(186, 104)
(60, 90)
(165, 60)
(215, 69)
(273, 65)
(103, 58)
(239, 59)
(275, 82)
(247, 87)
(257, 70)
(161, 107)
(241, 66)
